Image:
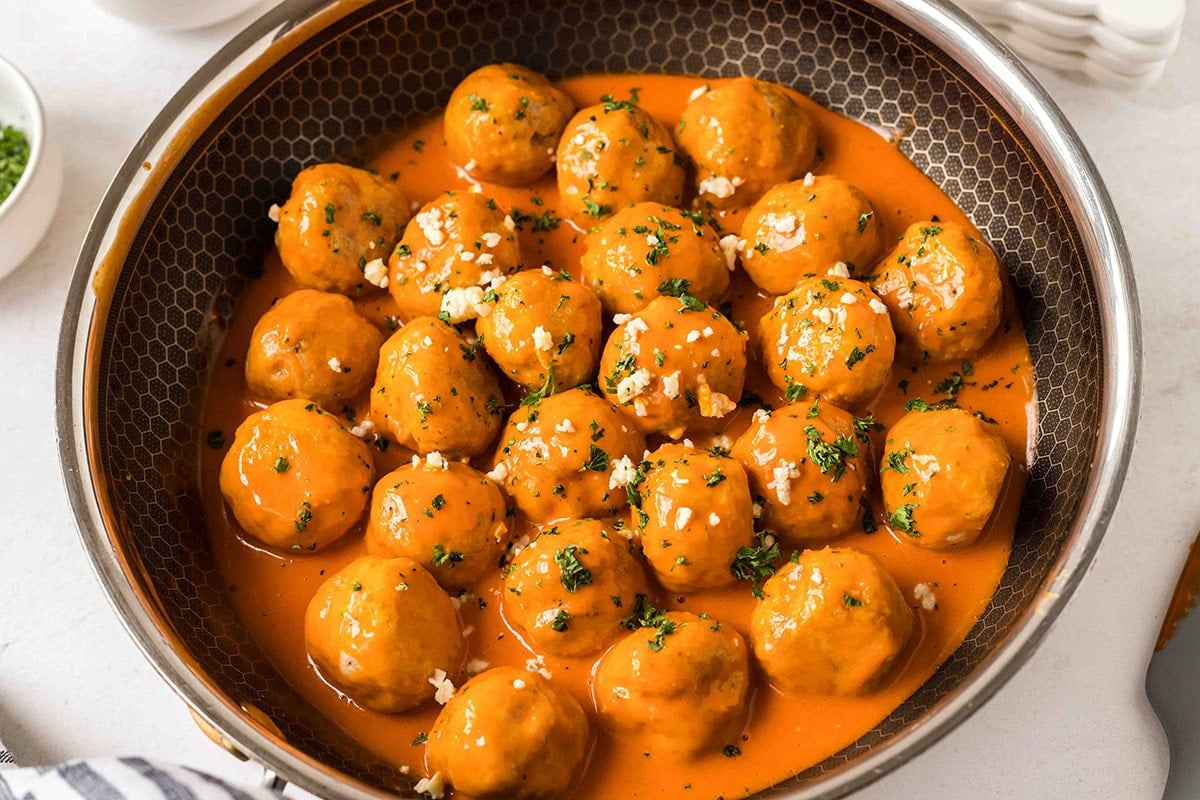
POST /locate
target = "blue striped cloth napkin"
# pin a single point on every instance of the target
(116, 779)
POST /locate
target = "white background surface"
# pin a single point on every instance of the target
(1073, 724)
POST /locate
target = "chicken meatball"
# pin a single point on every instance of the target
(798, 230)
(294, 478)
(503, 123)
(435, 390)
(557, 455)
(455, 247)
(336, 221)
(808, 469)
(829, 338)
(942, 473)
(640, 247)
(569, 589)
(509, 733)
(313, 345)
(613, 155)
(745, 137)
(384, 632)
(942, 287)
(678, 685)
(446, 516)
(674, 364)
(831, 623)
(692, 509)
(541, 323)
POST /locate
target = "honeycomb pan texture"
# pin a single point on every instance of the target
(386, 64)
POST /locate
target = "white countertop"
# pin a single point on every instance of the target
(1074, 723)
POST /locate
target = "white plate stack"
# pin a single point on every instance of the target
(1122, 43)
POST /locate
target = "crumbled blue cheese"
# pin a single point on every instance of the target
(925, 596)
(431, 224)
(433, 786)
(542, 339)
(623, 473)
(697, 92)
(632, 385)
(729, 247)
(376, 273)
(273, 212)
(671, 385)
(444, 686)
(718, 186)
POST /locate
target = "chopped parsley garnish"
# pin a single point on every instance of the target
(421, 738)
(851, 601)
(215, 439)
(830, 457)
(732, 751)
(646, 615)
(330, 209)
(574, 573)
(425, 408)
(902, 519)
(477, 103)
(597, 460)
(617, 105)
(714, 477)
(303, 516)
(372, 217)
(675, 287)
(439, 502)
(559, 623)
(533, 398)
(595, 209)
(756, 563)
(857, 355)
(895, 461)
(282, 464)
(863, 219)
(14, 158)
(443, 557)
(567, 340)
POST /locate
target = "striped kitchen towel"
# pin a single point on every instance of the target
(116, 779)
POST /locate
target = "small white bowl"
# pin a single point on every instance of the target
(26, 213)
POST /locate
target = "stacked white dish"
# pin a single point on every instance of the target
(1122, 43)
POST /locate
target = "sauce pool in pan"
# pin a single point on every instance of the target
(946, 589)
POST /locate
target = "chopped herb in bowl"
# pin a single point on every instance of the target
(14, 157)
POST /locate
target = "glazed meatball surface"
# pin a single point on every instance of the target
(674, 364)
(743, 138)
(434, 391)
(800, 229)
(693, 514)
(540, 323)
(832, 622)
(503, 123)
(313, 345)
(336, 220)
(808, 468)
(942, 287)
(942, 472)
(380, 629)
(613, 155)
(569, 589)
(556, 456)
(509, 733)
(458, 243)
(642, 246)
(294, 478)
(679, 685)
(446, 516)
(831, 338)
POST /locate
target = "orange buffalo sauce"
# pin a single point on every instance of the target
(783, 735)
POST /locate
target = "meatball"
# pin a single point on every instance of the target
(542, 324)
(942, 473)
(509, 733)
(380, 629)
(556, 456)
(798, 230)
(643, 246)
(336, 221)
(808, 469)
(569, 589)
(445, 515)
(745, 137)
(313, 345)
(678, 685)
(942, 287)
(674, 364)
(829, 338)
(454, 247)
(503, 123)
(434, 390)
(831, 623)
(294, 478)
(692, 510)
(613, 155)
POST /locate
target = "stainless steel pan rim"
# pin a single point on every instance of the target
(998, 70)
